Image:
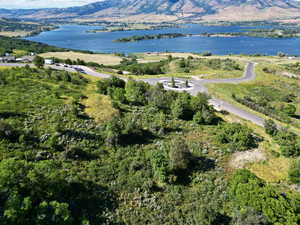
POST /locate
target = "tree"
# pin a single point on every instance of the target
(136, 92)
(7, 131)
(240, 137)
(199, 102)
(68, 61)
(281, 54)
(187, 84)
(291, 149)
(159, 163)
(173, 84)
(289, 143)
(181, 107)
(38, 61)
(113, 131)
(179, 155)
(289, 109)
(205, 116)
(294, 172)
(157, 96)
(117, 94)
(246, 190)
(104, 84)
(42, 193)
(270, 127)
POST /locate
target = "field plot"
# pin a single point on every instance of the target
(105, 59)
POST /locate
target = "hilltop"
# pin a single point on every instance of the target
(166, 10)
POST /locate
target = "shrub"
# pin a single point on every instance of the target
(289, 109)
(117, 94)
(294, 172)
(38, 61)
(159, 163)
(179, 155)
(248, 191)
(270, 127)
(7, 131)
(289, 143)
(136, 92)
(238, 136)
(105, 84)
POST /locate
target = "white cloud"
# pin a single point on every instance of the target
(28, 4)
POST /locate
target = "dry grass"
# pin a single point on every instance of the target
(106, 59)
(14, 33)
(98, 106)
(273, 170)
(157, 56)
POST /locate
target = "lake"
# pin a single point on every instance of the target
(76, 37)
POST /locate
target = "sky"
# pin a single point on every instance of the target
(28, 4)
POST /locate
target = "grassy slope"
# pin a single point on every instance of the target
(225, 91)
(97, 106)
(127, 169)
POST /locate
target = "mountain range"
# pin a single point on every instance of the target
(166, 10)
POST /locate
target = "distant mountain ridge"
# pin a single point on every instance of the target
(166, 10)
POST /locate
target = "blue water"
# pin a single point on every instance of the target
(76, 37)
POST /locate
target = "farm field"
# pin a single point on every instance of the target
(105, 59)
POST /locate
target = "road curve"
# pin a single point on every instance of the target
(218, 104)
(198, 86)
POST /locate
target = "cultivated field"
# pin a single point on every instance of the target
(105, 59)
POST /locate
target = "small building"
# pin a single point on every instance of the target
(49, 61)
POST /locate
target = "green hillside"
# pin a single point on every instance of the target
(162, 157)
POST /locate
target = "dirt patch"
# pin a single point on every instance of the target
(240, 159)
(290, 75)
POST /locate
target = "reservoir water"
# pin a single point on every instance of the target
(77, 37)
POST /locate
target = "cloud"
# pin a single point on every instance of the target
(28, 4)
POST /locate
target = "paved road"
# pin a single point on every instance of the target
(198, 86)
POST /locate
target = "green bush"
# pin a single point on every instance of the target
(294, 172)
(270, 127)
(239, 137)
(289, 143)
(7, 131)
(179, 155)
(104, 84)
(136, 92)
(248, 191)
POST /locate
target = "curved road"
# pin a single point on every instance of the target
(218, 104)
(198, 86)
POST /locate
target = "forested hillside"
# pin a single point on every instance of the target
(158, 156)
(7, 45)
